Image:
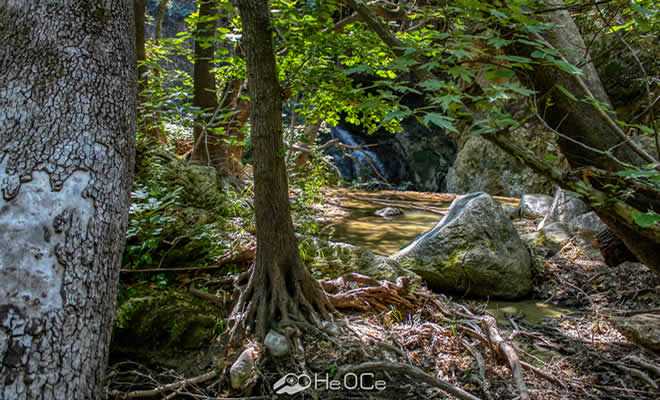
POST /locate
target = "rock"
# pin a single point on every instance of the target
(553, 237)
(474, 249)
(482, 166)
(158, 322)
(511, 211)
(535, 205)
(647, 143)
(569, 208)
(643, 329)
(332, 259)
(330, 328)
(587, 222)
(241, 370)
(428, 153)
(388, 212)
(277, 344)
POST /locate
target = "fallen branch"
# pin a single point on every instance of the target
(161, 389)
(507, 352)
(409, 370)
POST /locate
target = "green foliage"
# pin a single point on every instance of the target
(178, 214)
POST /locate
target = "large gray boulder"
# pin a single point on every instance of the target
(473, 250)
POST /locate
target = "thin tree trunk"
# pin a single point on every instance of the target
(207, 143)
(149, 123)
(67, 147)
(280, 288)
(158, 34)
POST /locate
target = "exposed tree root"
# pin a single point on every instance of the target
(278, 296)
(409, 370)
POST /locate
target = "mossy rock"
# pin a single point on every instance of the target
(164, 321)
(332, 259)
(474, 250)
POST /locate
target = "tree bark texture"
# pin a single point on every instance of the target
(149, 123)
(280, 287)
(206, 143)
(213, 141)
(67, 147)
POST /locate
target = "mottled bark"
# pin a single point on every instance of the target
(67, 139)
(280, 287)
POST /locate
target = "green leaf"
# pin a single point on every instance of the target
(432, 84)
(567, 67)
(500, 73)
(566, 92)
(440, 120)
(514, 59)
(646, 219)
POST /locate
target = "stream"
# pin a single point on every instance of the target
(363, 228)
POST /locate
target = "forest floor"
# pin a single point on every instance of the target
(424, 345)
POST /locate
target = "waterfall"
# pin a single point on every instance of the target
(351, 169)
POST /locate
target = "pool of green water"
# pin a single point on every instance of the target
(380, 235)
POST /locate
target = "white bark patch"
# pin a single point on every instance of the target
(29, 269)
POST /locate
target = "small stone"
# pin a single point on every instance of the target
(330, 328)
(588, 222)
(241, 370)
(277, 344)
(389, 212)
(535, 205)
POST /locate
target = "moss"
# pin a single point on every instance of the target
(163, 320)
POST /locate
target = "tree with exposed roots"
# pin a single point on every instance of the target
(280, 289)
(67, 147)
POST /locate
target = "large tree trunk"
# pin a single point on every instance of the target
(588, 134)
(280, 288)
(67, 138)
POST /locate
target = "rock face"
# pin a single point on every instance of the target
(482, 166)
(643, 329)
(429, 153)
(553, 237)
(474, 250)
(388, 212)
